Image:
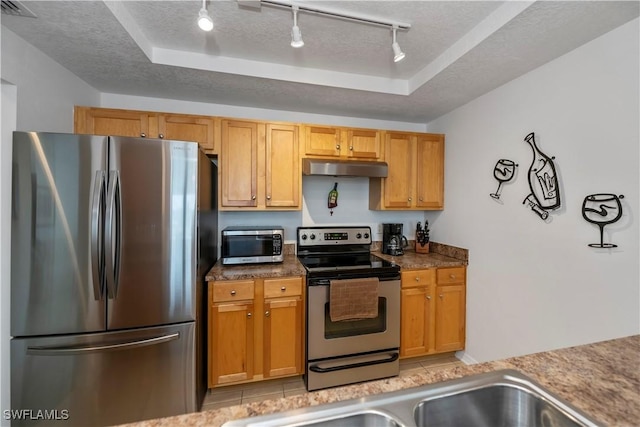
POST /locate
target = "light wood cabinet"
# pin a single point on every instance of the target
(146, 124)
(432, 311)
(345, 143)
(259, 166)
(416, 173)
(450, 309)
(255, 329)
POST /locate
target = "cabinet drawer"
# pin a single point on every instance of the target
(451, 275)
(274, 288)
(235, 290)
(411, 279)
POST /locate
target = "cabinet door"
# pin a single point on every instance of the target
(322, 141)
(239, 164)
(282, 169)
(188, 128)
(283, 337)
(230, 342)
(416, 321)
(105, 121)
(430, 171)
(450, 318)
(399, 184)
(363, 143)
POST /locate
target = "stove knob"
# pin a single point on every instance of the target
(303, 237)
(359, 236)
(366, 235)
(313, 237)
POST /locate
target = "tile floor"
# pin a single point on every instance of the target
(252, 392)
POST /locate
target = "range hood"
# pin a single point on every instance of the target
(344, 168)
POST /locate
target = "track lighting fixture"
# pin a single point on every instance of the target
(204, 20)
(398, 55)
(296, 34)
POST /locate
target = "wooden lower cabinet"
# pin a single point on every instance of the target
(432, 311)
(255, 329)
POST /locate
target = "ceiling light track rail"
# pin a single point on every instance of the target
(332, 13)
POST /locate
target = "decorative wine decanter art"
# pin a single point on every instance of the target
(543, 182)
(503, 171)
(602, 209)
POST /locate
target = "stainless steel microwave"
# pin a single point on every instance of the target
(252, 244)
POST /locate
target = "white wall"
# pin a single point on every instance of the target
(47, 91)
(534, 286)
(37, 94)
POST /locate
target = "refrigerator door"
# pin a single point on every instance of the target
(103, 379)
(57, 203)
(150, 232)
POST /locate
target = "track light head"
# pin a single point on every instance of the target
(398, 54)
(296, 34)
(204, 20)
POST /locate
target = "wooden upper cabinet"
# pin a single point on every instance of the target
(106, 121)
(416, 173)
(338, 142)
(430, 171)
(239, 164)
(322, 141)
(200, 129)
(363, 143)
(282, 168)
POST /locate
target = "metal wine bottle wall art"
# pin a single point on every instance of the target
(602, 209)
(543, 180)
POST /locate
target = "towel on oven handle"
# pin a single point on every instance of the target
(351, 299)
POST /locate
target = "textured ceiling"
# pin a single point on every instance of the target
(456, 50)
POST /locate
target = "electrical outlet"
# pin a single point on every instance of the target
(380, 228)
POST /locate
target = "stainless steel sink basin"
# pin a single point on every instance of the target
(503, 398)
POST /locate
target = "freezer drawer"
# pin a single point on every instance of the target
(104, 379)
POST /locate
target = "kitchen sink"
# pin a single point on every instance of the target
(504, 398)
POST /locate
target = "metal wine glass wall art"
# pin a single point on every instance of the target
(602, 209)
(543, 182)
(503, 171)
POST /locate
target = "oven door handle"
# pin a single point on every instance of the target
(392, 358)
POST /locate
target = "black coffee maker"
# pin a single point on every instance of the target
(393, 241)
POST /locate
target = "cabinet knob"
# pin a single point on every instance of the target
(452, 276)
(351, 148)
(429, 297)
(267, 314)
(268, 197)
(337, 146)
(441, 296)
(143, 135)
(421, 199)
(417, 279)
(161, 136)
(233, 293)
(284, 288)
(253, 197)
(249, 315)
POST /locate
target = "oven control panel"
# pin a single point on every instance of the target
(325, 236)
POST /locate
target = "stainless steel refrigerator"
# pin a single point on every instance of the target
(111, 239)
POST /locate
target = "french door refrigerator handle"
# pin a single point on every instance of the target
(79, 349)
(112, 250)
(97, 259)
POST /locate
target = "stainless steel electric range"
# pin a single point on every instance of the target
(354, 350)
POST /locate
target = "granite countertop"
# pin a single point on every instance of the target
(289, 267)
(440, 255)
(601, 379)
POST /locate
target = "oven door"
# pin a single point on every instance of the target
(331, 339)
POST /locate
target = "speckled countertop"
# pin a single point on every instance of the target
(601, 379)
(441, 255)
(289, 267)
